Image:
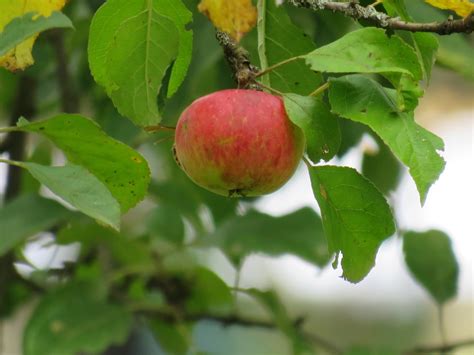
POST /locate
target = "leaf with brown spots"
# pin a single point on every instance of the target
(123, 170)
(22, 15)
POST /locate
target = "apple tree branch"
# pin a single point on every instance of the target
(382, 20)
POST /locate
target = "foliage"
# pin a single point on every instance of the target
(142, 227)
(430, 258)
(461, 7)
(20, 23)
(235, 17)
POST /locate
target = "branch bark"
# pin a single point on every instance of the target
(446, 348)
(239, 61)
(14, 146)
(382, 20)
(69, 99)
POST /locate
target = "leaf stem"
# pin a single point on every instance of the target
(8, 129)
(441, 324)
(159, 128)
(320, 89)
(275, 91)
(262, 48)
(308, 163)
(277, 65)
(13, 162)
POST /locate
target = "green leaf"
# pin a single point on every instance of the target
(456, 53)
(320, 127)
(132, 44)
(166, 223)
(208, 294)
(181, 16)
(26, 26)
(397, 7)
(356, 217)
(171, 337)
(73, 319)
(431, 260)
(299, 233)
(351, 134)
(137, 71)
(425, 46)
(455, 50)
(283, 40)
(182, 195)
(408, 91)
(81, 189)
(26, 216)
(15, 294)
(283, 321)
(365, 101)
(382, 168)
(123, 170)
(368, 50)
(123, 250)
(41, 154)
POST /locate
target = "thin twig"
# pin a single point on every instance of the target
(380, 19)
(275, 91)
(262, 46)
(69, 99)
(158, 128)
(320, 89)
(172, 315)
(277, 65)
(235, 320)
(440, 348)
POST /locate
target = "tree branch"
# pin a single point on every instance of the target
(380, 19)
(69, 99)
(235, 320)
(239, 60)
(14, 145)
(174, 315)
(446, 348)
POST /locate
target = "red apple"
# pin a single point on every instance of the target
(238, 142)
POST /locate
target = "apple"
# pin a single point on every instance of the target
(238, 143)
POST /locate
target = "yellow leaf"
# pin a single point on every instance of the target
(235, 17)
(461, 7)
(20, 57)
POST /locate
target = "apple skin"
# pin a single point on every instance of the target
(238, 143)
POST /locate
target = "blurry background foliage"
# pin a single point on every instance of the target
(161, 266)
